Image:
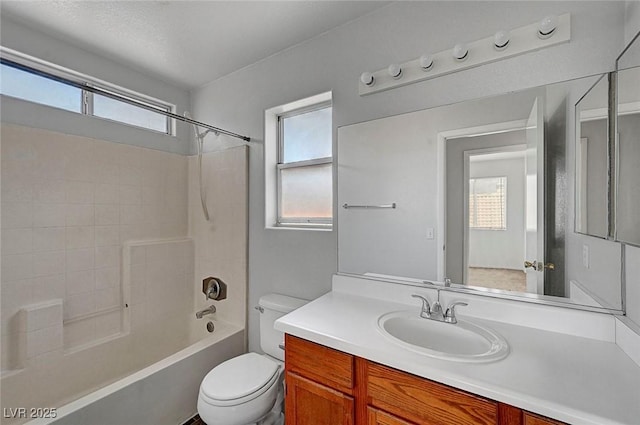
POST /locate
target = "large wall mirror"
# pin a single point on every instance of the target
(476, 192)
(627, 133)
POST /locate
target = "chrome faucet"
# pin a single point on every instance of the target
(434, 312)
(450, 314)
(209, 310)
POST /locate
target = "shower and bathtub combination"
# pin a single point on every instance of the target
(104, 248)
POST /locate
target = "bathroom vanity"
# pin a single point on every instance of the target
(563, 366)
(329, 386)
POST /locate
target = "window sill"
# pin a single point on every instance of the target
(301, 227)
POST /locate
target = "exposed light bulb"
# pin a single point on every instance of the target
(501, 39)
(426, 62)
(547, 26)
(367, 79)
(394, 70)
(460, 51)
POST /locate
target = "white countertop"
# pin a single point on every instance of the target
(569, 378)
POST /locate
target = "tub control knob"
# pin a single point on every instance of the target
(214, 288)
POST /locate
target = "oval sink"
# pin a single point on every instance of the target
(462, 342)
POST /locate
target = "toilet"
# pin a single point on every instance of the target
(248, 389)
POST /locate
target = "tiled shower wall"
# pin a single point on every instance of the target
(68, 204)
(221, 243)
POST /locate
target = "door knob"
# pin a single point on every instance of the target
(549, 266)
(535, 265)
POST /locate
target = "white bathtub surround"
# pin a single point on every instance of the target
(157, 281)
(221, 243)
(156, 321)
(68, 204)
(42, 328)
(563, 363)
(164, 393)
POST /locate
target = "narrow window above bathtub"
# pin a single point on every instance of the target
(37, 81)
(299, 164)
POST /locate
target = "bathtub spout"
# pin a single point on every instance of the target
(209, 310)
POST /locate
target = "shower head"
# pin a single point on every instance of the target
(200, 136)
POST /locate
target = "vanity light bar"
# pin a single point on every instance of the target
(519, 41)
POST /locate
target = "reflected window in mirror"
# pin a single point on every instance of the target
(488, 203)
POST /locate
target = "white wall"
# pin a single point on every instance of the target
(504, 248)
(301, 262)
(631, 20)
(32, 42)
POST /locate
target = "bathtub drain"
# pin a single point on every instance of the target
(210, 326)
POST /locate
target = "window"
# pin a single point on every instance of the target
(488, 203)
(304, 167)
(45, 84)
(36, 88)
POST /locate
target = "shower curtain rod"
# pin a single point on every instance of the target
(162, 111)
(114, 96)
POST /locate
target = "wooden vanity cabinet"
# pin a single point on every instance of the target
(327, 387)
(319, 384)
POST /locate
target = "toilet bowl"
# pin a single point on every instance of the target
(248, 389)
(241, 391)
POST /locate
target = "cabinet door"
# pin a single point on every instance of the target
(379, 417)
(310, 403)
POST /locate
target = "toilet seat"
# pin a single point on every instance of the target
(239, 380)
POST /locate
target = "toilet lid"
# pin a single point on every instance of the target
(239, 377)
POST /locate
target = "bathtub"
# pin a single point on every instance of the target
(145, 367)
(165, 392)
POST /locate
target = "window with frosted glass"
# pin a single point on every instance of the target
(305, 177)
(488, 203)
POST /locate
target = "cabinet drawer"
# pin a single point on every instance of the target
(425, 402)
(378, 417)
(319, 363)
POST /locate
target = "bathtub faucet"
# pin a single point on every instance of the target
(209, 310)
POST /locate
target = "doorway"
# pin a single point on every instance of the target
(495, 238)
(485, 197)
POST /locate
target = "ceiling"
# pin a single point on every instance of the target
(185, 43)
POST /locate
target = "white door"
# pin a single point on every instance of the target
(534, 214)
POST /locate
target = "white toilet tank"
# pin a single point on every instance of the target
(274, 306)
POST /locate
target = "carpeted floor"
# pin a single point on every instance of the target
(511, 280)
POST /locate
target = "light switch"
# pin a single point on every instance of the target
(430, 233)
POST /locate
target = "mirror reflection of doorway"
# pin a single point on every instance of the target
(486, 187)
(495, 239)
